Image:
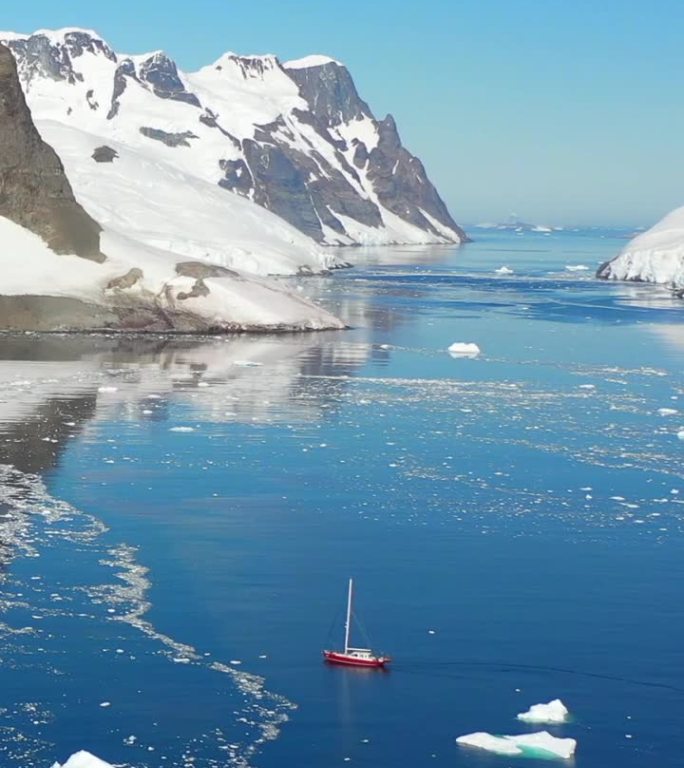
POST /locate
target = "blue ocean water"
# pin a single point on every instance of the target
(182, 516)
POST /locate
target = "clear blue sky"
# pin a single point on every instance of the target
(560, 110)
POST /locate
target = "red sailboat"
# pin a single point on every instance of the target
(354, 657)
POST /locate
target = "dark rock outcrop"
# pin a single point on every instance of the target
(34, 190)
(162, 75)
(330, 93)
(200, 269)
(401, 183)
(170, 139)
(104, 154)
(126, 281)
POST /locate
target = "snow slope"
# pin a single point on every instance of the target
(655, 256)
(244, 129)
(160, 297)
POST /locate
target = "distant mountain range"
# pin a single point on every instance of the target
(134, 196)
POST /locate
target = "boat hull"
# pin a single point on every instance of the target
(347, 660)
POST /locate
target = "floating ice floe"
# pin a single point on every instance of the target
(667, 411)
(182, 429)
(107, 389)
(246, 363)
(680, 434)
(541, 744)
(576, 267)
(504, 271)
(83, 760)
(553, 712)
(464, 349)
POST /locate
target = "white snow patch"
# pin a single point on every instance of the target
(315, 60)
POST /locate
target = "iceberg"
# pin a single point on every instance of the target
(667, 411)
(541, 744)
(464, 349)
(503, 271)
(83, 759)
(553, 712)
(654, 256)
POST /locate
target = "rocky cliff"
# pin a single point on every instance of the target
(34, 190)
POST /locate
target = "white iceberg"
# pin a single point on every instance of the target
(576, 267)
(541, 744)
(654, 256)
(667, 411)
(504, 271)
(553, 712)
(502, 745)
(464, 349)
(83, 760)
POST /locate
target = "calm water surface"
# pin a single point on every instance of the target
(178, 520)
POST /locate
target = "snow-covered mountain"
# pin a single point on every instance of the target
(655, 256)
(66, 267)
(179, 159)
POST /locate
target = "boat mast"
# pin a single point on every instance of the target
(347, 626)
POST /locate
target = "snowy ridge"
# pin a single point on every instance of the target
(315, 60)
(655, 256)
(296, 139)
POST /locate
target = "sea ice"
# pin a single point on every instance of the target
(576, 267)
(504, 271)
(540, 744)
(680, 434)
(464, 349)
(667, 411)
(553, 712)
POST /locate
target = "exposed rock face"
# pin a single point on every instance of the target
(104, 154)
(162, 74)
(126, 281)
(398, 178)
(199, 270)
(170, 139)
(34, 190)
(401, 183)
